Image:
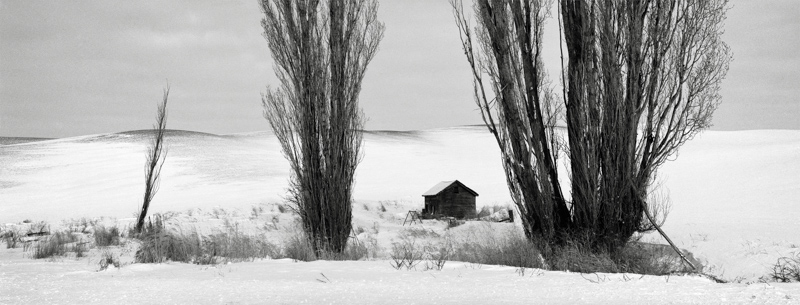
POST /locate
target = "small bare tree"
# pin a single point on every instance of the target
(321, 51)
(156, 154)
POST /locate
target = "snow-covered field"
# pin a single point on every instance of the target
(735, 205)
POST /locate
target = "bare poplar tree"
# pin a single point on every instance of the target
(522, 114)
(156, 154)
(642, 78)
(321, 51)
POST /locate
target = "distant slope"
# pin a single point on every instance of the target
(734, 194)
(18, 140)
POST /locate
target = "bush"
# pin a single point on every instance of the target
(12, 239)
(508, 249)
(634, 257)
(104, 237)
(235, 246)
(297, 247)
(406, 254)
(108, 259)
(417, 232)
(159, 244)
(53, 245)
(81, 225)
(787, 269)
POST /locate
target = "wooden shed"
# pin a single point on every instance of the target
(450, 198)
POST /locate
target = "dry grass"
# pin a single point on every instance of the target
(160, 244)
(484, 245)
(57, 244)
(490, 244)
(787, 269)
(296, 246)
(104, 237)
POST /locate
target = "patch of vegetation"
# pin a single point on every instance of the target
(256, 211)
(81, 225)
(108, 259)
(298, 248)
(509, 249)
(787, 269)
(104, 237)
(56, 244)
(159, 244)
(406, 254)
(234, 246)
(635, 257)
(417, 232)
(12, 238)
(485, 244)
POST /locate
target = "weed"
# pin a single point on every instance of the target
(108, 259)
(359, 230)
(161, 246)
(417, 232)
(508, 248)
(81, 225)
(298, 248)
(437, 255)
(38, 229)
(104, 237)
(635, 257)
(217, 213)
(80, 249)
(282, 209)
(12, 238)
(53, 245)
(326, 280)
(787, 269)
(405, 254)
(256, 211)
(235, 246)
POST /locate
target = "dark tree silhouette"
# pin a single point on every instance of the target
(321, 51)
(641, 79)
(156, 154)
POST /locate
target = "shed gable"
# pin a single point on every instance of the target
(441, 186)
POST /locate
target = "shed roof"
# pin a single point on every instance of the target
(439, 187)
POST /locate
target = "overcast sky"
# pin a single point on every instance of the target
(72, 68)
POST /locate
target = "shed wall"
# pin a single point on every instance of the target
(453, 201)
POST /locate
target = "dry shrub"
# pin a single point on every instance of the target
(104, 237)
(634, 257)
(233, 246)
(56, 244)
(298, 248)
(108, 259)
(787, 269)
(158, 247)
(485, 245)
(406, 253)
(416, 232)
(12, 238)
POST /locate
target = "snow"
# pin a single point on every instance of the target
(734, 205)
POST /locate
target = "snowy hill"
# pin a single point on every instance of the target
(735, 195)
